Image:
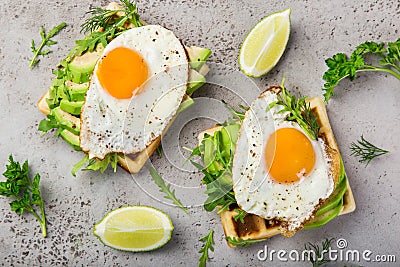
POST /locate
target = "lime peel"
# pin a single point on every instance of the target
(265, 43)
(134, 229)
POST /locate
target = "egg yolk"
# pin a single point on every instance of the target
(289, 155)
(122, 72)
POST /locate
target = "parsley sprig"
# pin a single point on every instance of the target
(209, 241)
(340, 66)
(26, 193)
(317, 258)
(46, 41)
(110, 24)
(366, 151)
(300, 111)
(166, 188)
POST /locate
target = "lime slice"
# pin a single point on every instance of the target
(135, 229)
(265, 44)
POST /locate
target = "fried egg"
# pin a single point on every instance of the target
(278, 171)
(135, 90)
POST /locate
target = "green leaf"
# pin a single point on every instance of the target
(240, 242)
(240, 215)
(45, 42)
(79, 165)
(36, 195)
(208, 246)
(50, 123)
(159, 181)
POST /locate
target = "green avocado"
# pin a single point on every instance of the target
(71, 139)
(71, 107)
(196, 80)
(81, 67)
(197, 56)
(334, 199)
(70, 122)
(76, 91)
(320, 220)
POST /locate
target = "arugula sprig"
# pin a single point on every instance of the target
(110, 24)
(166, 188)
(97, 165)
(209, 241)
(340, 66)
(300, 111)
(240, 215)
(317, 258)
(46, 41)
(26, 192)
(366, 151)
(240, 242)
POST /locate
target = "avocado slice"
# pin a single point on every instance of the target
(71, 139)
(196, 80)
(76, 91)
(334, 199)
(70, 122)
(197, 56)
(71, 107)
(81, 67)
(320, 220)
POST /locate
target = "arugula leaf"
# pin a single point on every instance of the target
(97, 165)
(341, 66)
(209, 241)
(26, 193)
(46, 41)
(317, 258)
(366, 151)
(240, 215)
(300, 111)
(240, 242)
(166, 189)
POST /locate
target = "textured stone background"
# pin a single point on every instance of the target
(366, 106)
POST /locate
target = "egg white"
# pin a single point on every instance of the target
(127, 126)
(255, 191)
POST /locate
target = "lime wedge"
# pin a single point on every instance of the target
(134, 228)
(265, 44)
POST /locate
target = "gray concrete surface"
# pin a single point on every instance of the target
(369, 106)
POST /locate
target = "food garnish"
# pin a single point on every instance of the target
(240, 242)
(264, 45)
(366, 151)
(46, 41)
(340, 66)
(166, 188)
(318, 257)
(134, 229)
(25, 192)
(209, 241)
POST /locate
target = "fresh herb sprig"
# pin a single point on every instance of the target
(240, 242)
(97, 165)
(26, 192)
(209, 241)
(300, 111)
(240, 215)
(166, 188)
(46, 41)
(317, 256)
(110, 24)
(366, 151)
(340, 66)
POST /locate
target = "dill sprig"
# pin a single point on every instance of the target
(317, 258)
(366, 151)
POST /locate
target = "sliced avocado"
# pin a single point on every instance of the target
(70, 122)
(76, 91)
(196, 80)
(334, 199)
(71, 139)
(73, 108)
(197, 56)
(81, 67)
(318, 221)
(185, 104)
(229, 136)
(342, 174)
